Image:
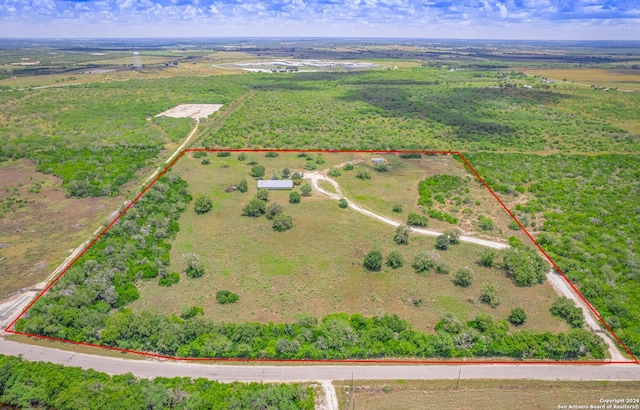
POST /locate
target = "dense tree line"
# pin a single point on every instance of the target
(49, 386)
(591, 224)
(135, 248)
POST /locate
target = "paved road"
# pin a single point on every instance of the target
(153, 368)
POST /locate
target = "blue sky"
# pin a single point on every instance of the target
(500, 19)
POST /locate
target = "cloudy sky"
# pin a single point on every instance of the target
(483, 19)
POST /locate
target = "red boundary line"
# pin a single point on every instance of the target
(9, 329)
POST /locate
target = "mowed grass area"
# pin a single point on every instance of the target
(39, 225)
(480, 394)
(399, 185)
(316, 267)
(624, 79)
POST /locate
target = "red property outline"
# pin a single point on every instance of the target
(9, 328)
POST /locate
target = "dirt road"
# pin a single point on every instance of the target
(314, 177)
(556, 281)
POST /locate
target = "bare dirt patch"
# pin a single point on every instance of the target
(194, 111)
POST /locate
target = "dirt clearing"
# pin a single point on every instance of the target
(194, 111)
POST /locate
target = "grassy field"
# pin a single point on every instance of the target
(399, 185)
(316, 267)
(623, 79)
(479, 394)
(41, 225)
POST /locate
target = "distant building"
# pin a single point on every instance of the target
(378, 160)
(275, 184)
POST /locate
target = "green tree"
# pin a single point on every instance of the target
(517, 316)
(373, 261)
(306, 189)
(381, 167)
(202, 205)
(257, 171)
(487, 258)
(190, 312)
(224, 297)
(463, 278)
(363, 174)
(442, 242)
(273, 210)
(242, 156)
(342, 203)
(524, 266)
(565, 308)
(297, 178)
(170, 279)
(453, 235)
(254, 208)
(195, 268)
(395, 259)
(243, 186)
(401, 236)
(485, 223)
(294, 197)
(263, 194)
(422, 262)
(282, 222)
(415, 219)
(489, 295)
(286, 173)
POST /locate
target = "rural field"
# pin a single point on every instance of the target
(562, 156)
(478, 394)
(315, 268)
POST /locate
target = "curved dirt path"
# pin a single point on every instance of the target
(317, 176)
(557, 282)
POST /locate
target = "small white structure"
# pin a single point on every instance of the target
(275, 184)
(378, 160)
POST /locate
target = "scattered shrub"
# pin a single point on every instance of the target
(487, 258)
(564, 308)
(243, 186)
(414, 219)
(202, 205)
(254, 208)
(190, 312)
(224, 297)
(195, 268)
(517, 316)
(306, 189)
(363, 174)
(170, 279)
(463, 278)
(294, 197)
(242, 156)
(263, 194)
(348, 167)
(401, 236)
(273, 210)
(334, 172)
(271, 154)
(342, 203)
(282, 222)
(422, 262)
(257, 171)
(397, 208)
(223, 154)
(373, 261)
(442, 242)
(395, 259)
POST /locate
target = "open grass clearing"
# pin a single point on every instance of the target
(399, 186)
(316, 267)
(479, 394)
(624, 79)
(40, 224)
